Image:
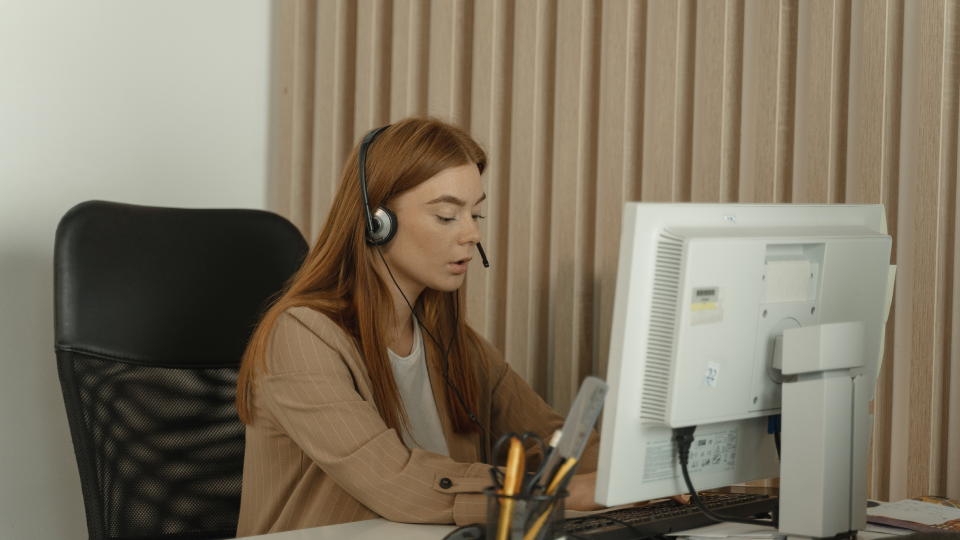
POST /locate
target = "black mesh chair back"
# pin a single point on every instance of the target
(154, 308)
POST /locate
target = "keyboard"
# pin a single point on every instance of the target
(666, 516)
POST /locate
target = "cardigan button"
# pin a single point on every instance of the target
(445, 483)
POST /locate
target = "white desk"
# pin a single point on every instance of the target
(378, 529)
(373, 529)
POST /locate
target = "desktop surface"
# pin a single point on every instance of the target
(376, 529)
(381, 528)
(654, 519)
(363, 530)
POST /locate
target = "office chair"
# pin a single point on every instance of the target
(154, 307)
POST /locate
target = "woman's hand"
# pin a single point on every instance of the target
(583, 491)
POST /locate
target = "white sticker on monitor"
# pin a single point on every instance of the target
(710, 377)
(710, 453)
(706, 306)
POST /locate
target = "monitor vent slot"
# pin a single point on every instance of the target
(663, 323)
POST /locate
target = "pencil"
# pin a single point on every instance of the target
(513, 478)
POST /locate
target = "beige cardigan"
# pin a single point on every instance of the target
(318, 453)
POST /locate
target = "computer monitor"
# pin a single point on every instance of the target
(703, 293)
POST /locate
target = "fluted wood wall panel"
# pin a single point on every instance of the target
(583, 105)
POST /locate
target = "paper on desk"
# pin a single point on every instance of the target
(729, 530)
(891, 279)
(920, 512)
(887, 529)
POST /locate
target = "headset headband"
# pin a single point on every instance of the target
(367, 140)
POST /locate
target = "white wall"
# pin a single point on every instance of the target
(160, 102)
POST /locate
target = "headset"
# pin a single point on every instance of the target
(381, 227)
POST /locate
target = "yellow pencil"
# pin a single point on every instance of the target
(513, 479)
(551, 490)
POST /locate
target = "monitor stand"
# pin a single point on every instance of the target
(826, 430)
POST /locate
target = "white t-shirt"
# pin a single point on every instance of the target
(413, 381)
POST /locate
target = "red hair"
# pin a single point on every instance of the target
(338, 277)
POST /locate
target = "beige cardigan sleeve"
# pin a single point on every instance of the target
(517, 408)
(310, 390)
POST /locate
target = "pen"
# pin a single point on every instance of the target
(559, 482)
(561, 474)
(513, 478)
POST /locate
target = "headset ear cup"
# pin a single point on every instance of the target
(385, 223)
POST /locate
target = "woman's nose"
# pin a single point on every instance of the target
(472, 234)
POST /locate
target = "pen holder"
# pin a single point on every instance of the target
(516, 517)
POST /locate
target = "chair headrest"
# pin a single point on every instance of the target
(167, 286)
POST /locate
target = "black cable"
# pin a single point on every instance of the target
(684, 438)
(776, 439)
(446, 356)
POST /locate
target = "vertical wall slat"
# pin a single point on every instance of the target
(732, 99)
(839, 99)
(937, 93)
(815, 82)
(952, 487)
(304, 111)
(564, 205)
(620, 140)
(708, 102)
(530, 192)
(451, 45)
(335, 98)
(574, 192)
(280, 175)
(442, 57)
(374, 39)
(660, 102)
(758, 136)
(399, 54)
(892, 84)
(409, 64)
(686, 84)
(877, 171)
(786, 101)
(523, 133)
(854, 105)
(668, 100)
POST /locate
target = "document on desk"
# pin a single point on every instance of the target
(729, 530)
(915, 511)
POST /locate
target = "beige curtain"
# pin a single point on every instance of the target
(586, 104)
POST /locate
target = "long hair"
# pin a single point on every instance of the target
(338, 277)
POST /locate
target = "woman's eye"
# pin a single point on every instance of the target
(446, 219)
(478, 216)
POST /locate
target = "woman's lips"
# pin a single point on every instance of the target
(460, 266)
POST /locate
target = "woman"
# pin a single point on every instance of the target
(356, 407)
